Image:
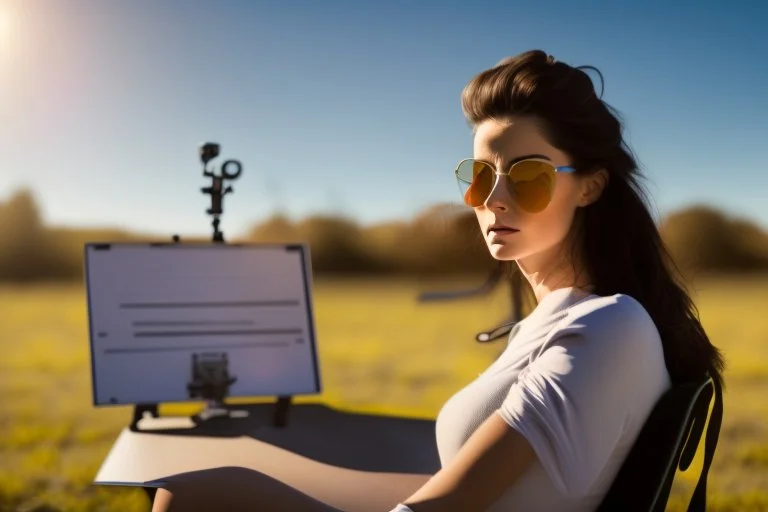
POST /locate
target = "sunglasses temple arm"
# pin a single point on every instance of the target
(495, 333)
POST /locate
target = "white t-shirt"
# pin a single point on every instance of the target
(578, 379)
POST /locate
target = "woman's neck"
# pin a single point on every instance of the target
(556, 276)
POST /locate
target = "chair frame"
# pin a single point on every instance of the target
(634, 487)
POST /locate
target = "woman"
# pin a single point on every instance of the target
(549, 423)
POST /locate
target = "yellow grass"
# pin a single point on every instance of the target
(379, 350)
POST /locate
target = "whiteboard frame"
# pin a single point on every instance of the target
(307, 279)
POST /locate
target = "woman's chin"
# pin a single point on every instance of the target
(503, 252)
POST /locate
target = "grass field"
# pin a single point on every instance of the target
(379, 350)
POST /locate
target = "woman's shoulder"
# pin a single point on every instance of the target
(619, 317)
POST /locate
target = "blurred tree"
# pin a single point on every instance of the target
(704, 240)
(443, 239)
(24, 251)
(276, 229)
(337, 245)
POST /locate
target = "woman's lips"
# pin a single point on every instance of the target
(499, 231)
(498, 226)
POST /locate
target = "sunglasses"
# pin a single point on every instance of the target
(532, 182)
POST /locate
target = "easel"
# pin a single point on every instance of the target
(210, 377)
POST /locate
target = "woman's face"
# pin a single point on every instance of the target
(538, 236)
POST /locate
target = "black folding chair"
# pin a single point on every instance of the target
(668, 441)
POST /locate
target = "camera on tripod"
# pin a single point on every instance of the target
(230, 170)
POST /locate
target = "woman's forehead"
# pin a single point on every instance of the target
(500, 141)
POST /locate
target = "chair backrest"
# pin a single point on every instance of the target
(668, 440)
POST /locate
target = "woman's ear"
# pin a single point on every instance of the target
(592, 186)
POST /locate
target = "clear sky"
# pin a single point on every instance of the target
(352, 107)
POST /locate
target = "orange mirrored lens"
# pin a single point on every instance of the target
(480, 177)
(533, 184)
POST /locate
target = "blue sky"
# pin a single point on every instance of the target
(351, 107)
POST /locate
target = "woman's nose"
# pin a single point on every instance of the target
(501, 195)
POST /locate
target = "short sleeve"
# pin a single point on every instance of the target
(573, 401)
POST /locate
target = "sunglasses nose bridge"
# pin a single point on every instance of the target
(500, 177)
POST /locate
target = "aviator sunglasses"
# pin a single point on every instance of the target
(532, 182)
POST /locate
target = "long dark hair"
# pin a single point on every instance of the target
(621, 246)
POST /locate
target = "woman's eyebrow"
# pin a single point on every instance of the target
(525, 157)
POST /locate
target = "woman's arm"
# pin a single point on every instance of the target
(491, 460)
(232, 489)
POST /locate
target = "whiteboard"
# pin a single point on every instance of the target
(153, 307)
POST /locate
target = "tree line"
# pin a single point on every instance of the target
(443, 239)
